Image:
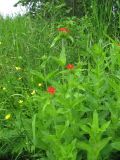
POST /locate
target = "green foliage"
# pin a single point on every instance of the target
(80, 119)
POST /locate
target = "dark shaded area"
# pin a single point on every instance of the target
(24, 156)
(115, 156)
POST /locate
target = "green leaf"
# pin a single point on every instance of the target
(116, 145)
(84, 146)
(55, 40)
(105, 126)
(70, 38)
(102, 143)
(45, 105)
(95, 123)
(60, 6)
(85, 128)
(51, 75)
(38, 74)
(62, 57)
(57, 60)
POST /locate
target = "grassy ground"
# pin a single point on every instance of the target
(59, 92)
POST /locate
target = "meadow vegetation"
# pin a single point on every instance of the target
(59, 88)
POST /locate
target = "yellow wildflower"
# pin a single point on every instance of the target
(0, 43)
(39, 84)
(8, 116)
(20, 101)
(4, 88)
(19, 78)
(33, 92)
(17, 68)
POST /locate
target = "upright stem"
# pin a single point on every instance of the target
(62, 50)
(63, 43)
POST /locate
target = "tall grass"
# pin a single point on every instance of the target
(106, 17)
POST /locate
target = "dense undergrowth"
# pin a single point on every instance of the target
(59, 90)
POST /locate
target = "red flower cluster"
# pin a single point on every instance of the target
(65, 30)
(70, 66)
(51, 90)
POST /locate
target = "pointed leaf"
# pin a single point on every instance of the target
(85, 128)
(101, 144)
(71, 38)
(84, 146)
(63, 57)
(38, 74)
(116, 145)
(95, 123)
(55, 40)
(105, 126)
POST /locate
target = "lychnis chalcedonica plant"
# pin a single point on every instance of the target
(63, 36)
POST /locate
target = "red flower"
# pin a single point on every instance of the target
(70, 66)
(51, 90)
(65, 30)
